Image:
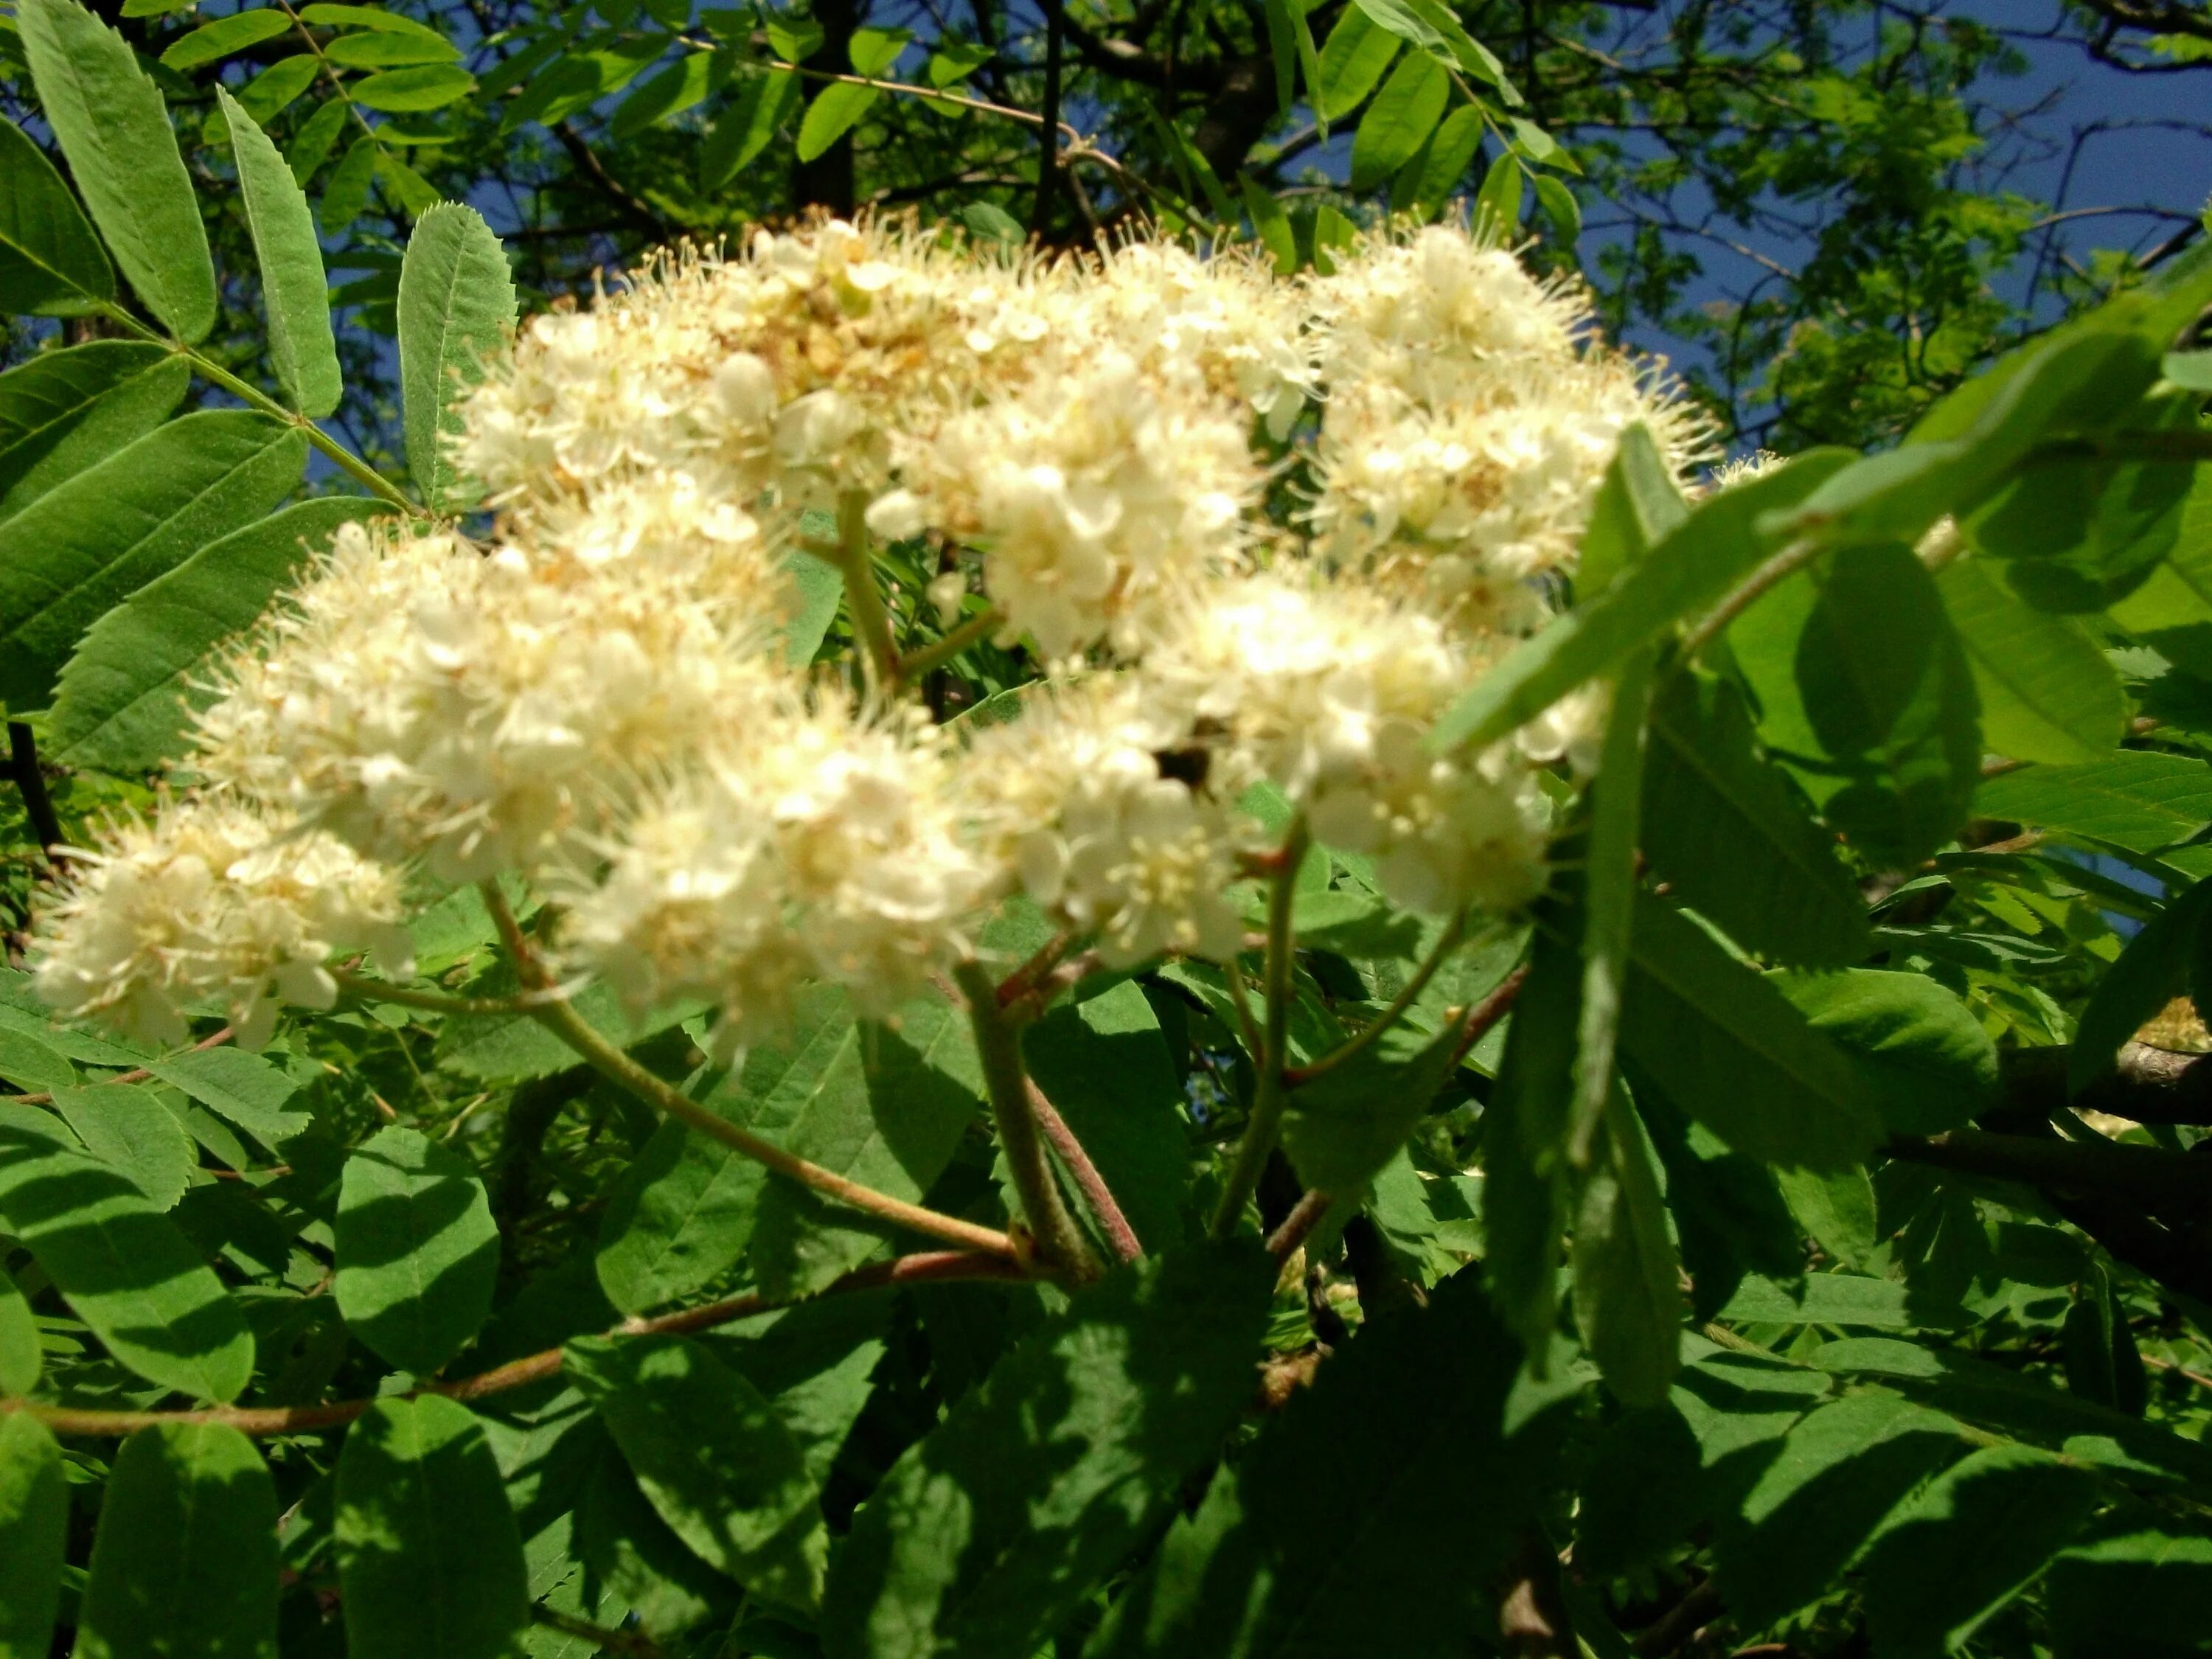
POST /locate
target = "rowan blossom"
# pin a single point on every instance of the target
(1257, 531)
(213, 899)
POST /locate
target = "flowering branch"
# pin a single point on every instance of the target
(611, 1063)
(1060, 1243)
(1270, 1096)
(931, 1266)
(1297, 1075)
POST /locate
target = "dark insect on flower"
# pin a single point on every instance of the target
(1187, 766)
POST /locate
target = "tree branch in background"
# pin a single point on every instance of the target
(30, 784)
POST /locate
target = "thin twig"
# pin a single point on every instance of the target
(30, 784)
(1060, 1243)
(1476, 1022)
(611, 1062)
(932, 1267)
(1784, 565)
(1095, 1192)
(137, 1074)
(1305, 1215)
(914, 663)
(377, 990)
(1268, 1097)
(1297, 1076)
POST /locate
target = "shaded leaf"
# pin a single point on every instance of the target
(185, 1562)
(1726, 831)
(1352, 60)
(1628, 1300)
(1838, 1472)
(124, 1268)
(1105, 1066)
(718, 1465)
(132, 1133)
(1347, 1123)
(429, 1557)
(21, 1356)
(2151, 972)
(417, 1255)
(35, 1512)
(1039, 1482)
(2047, 694)
(1301, 1549)
(1728, 1047)
(767, 98)
(1863, 687)
(1967, 1543)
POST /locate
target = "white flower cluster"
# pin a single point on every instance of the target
(599, 700)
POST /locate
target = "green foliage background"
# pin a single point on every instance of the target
(1815, 1256)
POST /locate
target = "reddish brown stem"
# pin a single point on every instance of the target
(1305, 1215)
(1095, 1192)
(929, 1266)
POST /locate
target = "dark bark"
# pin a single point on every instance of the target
(826, 180)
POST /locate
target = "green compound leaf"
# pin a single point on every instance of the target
(1399, 120)
(1727, 832)
(2140, 799)
(124, 702)
(1839, 1471)
(66, 411)
(768, 99)
(184, 1561)
(456, 305)
(50, 260)
(1967, 1543)
(22, 1357)
(832, 114)
(1352, 60)
(429, 1556)
(1041, 1481)
(35, 1512)
(293, 288)
(212, 42)
(1728, 1047)
(418, 1251)
(2047, 693)
(136, 1135)
(717, 1463)
(91, 543)
(114, 128)
(1694, 565)
(1927, 1063)
(242, 1088)
(1628, 1297)
(880, 1105)
(680, 1219)
(1348, 1122)
(1864, 688)
(123, 1266)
